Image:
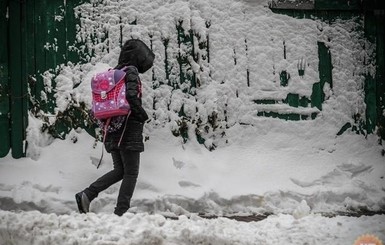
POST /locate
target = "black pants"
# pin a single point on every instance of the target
(126, 168)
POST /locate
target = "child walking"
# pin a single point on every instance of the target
(126, 143)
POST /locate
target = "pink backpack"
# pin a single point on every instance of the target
(109, 104)
(109, 94)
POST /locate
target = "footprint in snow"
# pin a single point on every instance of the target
(184, 184)
(340, 174)
(178, 164)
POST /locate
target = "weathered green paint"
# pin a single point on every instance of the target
(4, 89)
(380, 74)
(324, 66)
(51, 55)
(284, 78)
(316, 96)
(70, 33)
(327, 10)
(40, 61)
(304, 101)
(16, 77)
(167, 69)
(38, 36)
(337, 5)
(265, 101)
(4, 108)
(374, 31)
(293, 100)
(375, 86)
(185, 71)
(24, 77)
(371, 105)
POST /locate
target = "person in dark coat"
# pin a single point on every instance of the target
(136, 58)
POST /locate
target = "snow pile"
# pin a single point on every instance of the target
(36, 228)
(302, 210)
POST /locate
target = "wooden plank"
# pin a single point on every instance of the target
(4, 89)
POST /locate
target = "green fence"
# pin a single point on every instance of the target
(39, 35)
(36, 36)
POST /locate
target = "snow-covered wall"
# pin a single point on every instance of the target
(215, 59)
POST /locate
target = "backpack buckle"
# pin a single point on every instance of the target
(103, 95)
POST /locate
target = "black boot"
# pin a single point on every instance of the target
(83, 202)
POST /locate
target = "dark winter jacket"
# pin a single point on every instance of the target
(138, 58)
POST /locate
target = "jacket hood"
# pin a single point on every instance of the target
(136, 53)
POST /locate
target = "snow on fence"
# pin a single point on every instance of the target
(218, 63)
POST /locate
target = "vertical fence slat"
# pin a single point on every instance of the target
(4, 95)
(50, 50)
(380, 75)
(40, 37)
(70, 24)
(24, 72)
(59, 31)
(16, 79)
(370, 81)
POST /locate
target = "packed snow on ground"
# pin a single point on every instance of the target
(294, 170)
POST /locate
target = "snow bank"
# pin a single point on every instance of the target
(260, 171)
(36, 228)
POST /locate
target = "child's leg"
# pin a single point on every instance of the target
(108, 179)
(131, 161)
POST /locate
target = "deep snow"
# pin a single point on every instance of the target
(296, 170)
